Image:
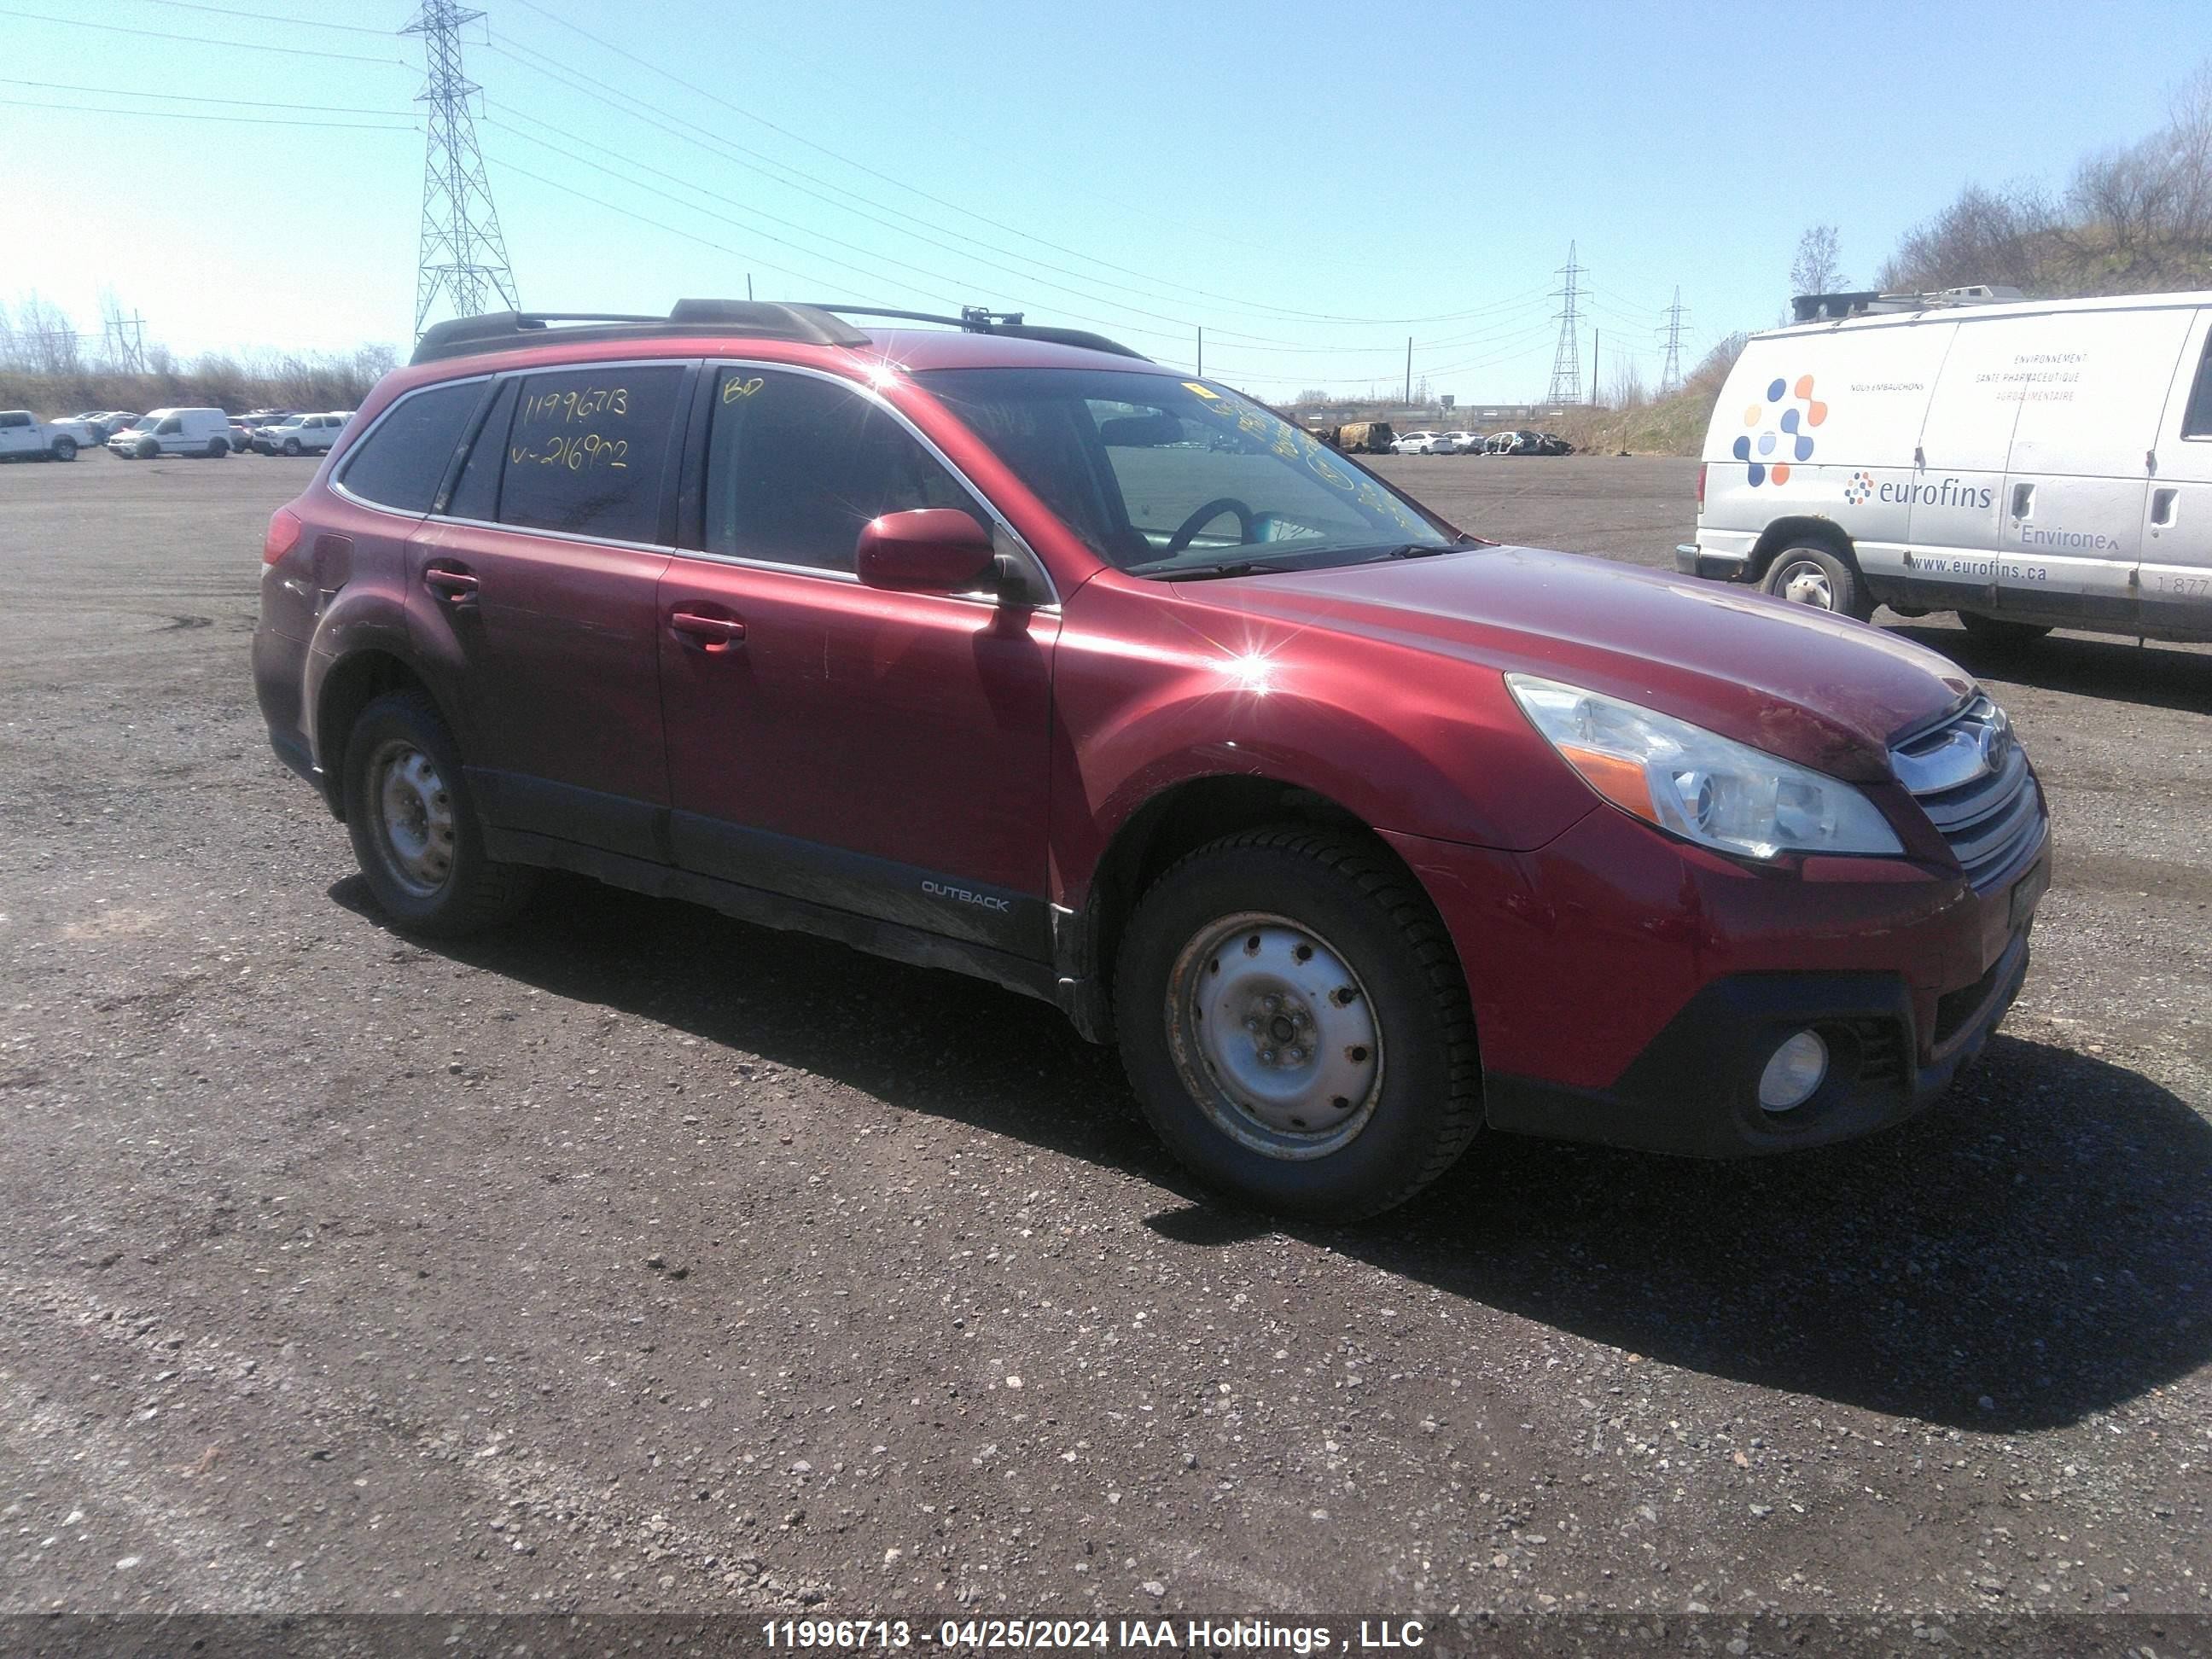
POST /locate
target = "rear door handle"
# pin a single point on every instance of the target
(696, 627)
(2162, 507)
(452, 584)
(2023, 499)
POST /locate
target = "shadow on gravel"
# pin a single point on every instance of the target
(2114, 669)
(2042, 1238)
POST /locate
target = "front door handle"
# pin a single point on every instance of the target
(450, 582)
(707, 633)
(2023, 499)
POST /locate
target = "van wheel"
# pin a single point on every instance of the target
(414, 827)
(149, 451)
(1292, 1018)
(64, 449)
(1998, 633)
(1814, 576)
(217, 449)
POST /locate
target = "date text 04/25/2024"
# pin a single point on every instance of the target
(1095, 1635)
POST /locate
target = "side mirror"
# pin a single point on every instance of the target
(929, 549)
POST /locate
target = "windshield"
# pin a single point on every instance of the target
(1163, 476)
(144, 422)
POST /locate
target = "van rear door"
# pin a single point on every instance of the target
(2091, 386)
(2174, 577)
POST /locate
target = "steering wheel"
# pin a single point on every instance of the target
(1247, 520)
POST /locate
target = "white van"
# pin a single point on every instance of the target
(174, 432)
(2030, 465)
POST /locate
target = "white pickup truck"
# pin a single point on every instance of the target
(24, 436)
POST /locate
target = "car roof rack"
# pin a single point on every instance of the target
(974, 319)
(501, 330)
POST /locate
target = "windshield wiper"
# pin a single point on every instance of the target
(1200, 572)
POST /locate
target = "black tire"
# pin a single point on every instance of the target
(149, 451)
(1818, 576)
(64, 449)
(472, 891)
(1426, 1102)
(1999, 633)
(218, 449)
(291, 445)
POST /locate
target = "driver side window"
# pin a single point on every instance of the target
(174, 423)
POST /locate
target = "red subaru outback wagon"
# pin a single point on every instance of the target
(1003, 649)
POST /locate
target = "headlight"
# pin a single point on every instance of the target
(1694, 784)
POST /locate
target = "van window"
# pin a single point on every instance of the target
(174, 423)
(2197, 420)
(587, 451)
(402, 463)
(796, 466)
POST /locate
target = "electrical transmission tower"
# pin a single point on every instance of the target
(1567, 360)
(1671, 376)
(464, 256)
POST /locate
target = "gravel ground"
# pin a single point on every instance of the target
(638, 1259)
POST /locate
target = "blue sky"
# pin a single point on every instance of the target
(1293, 177)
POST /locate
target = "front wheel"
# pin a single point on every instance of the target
(291, 445)
(2000, 634)
(1292, 1018)
(414, 826)
(1816, 576)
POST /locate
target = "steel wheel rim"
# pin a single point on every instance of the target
(1274, 1035)
(413, 808)
(1803, 582)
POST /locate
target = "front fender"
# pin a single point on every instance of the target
(1151, 695)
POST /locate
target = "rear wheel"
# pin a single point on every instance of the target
(1997, 632)
(64, 449)
(1818, 577)
(415, 829)
(1293, 1021)
(218, 449)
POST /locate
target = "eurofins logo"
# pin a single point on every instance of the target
(1779, 434)
(1858, 488)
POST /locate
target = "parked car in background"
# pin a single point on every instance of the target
(1465, 443)
(2035, 464)
(113, 421)
(174, 432)
(1423, 443)
(1361, 438)
(299, 435)
(1551, 443)
(82, 430)
(1503, 443)
(24, 436)
(1357, 834)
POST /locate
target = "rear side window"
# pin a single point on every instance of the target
(402, 463)
(587, 450)
(796, 466)
(477, 494)
(2197, 423)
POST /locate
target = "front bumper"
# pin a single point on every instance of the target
(1629, 990)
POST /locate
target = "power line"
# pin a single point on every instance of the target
(1566, 357)
(194, 98)
(202, 41)
(1014, 230)
(463, 256)
(190, 115)
(263, 17)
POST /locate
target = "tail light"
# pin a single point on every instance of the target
(1701, 486)
(284, 529)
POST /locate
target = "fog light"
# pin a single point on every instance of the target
(1793, 1073)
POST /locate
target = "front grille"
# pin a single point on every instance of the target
(1973, 781)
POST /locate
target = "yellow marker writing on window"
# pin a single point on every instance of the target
(733, 390)
(1192, 386)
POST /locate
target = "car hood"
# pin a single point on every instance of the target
(1818, 689)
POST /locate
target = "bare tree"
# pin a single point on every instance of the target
(1818, 268)
(1627, 391)
(44, 342)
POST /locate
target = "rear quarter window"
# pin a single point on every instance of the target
(401, 463)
